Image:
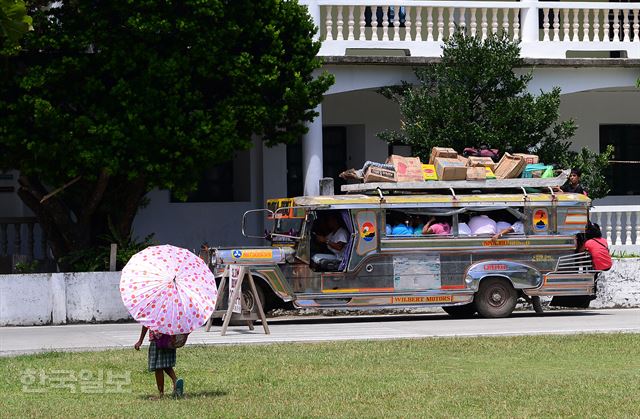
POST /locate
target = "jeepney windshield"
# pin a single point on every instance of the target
(288, 221)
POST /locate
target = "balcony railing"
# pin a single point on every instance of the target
(545, 29)
(620, 225)
(21, 239)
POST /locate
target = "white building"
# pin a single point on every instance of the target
(590, 49)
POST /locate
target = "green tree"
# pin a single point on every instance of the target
(473, 97)
(14, 21)
(108, 100)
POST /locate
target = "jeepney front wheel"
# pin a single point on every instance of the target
(495, 298)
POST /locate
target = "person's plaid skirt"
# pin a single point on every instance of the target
(161, 358)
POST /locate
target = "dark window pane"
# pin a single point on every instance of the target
(216, 185)
(622, 173)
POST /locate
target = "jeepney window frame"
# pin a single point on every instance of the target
(454, 214)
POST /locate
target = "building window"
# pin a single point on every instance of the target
(225, 182)
(626, 157)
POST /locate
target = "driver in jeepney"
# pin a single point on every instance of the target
(336, 241)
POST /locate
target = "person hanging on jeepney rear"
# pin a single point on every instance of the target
(573, 184)
(597, 248)
(336, 241)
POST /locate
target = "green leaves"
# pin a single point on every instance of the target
(473, 97)
(14, 21)
(154, 92)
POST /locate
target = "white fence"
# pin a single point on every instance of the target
(546, 29)
(620, 225)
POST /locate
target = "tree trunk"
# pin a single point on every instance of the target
(72, 231)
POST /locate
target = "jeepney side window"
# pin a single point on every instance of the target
(415, 223)
(491, 222)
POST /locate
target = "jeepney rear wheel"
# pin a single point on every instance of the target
(495, 298)
(465, 311)
(250, 301)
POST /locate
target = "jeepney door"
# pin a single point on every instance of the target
(367, 235)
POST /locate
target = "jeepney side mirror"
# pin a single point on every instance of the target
(268, 217)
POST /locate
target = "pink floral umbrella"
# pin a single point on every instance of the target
(168, 289)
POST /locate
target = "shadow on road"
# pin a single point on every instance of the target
(365, 318)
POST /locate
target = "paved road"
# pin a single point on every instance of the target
(21, 340)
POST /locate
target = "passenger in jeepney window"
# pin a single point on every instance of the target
(335, 240)
(504, 227)
(463, 226)
(417, 224)
(437, 226)
(402, 226)
(482, 224)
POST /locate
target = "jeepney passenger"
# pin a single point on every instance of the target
(507, 228)
(402, 226)
(335, 241)
(482, 224)
(463, 229)
(417, 223)
(439, 228)
(463, 226)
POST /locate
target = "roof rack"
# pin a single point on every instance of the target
(452, 185)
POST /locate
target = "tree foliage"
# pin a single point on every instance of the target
(116, 98)
(473, 98)
(14, 21)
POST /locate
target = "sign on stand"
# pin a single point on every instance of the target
(233, 278)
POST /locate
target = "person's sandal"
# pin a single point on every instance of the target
(179, 391)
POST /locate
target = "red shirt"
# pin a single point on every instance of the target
(599, 253)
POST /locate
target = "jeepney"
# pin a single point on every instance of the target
(462, 273)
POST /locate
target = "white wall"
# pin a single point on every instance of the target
(37, 299)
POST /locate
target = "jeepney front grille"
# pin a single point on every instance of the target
(576, 263)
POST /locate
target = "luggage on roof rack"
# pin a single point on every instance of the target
(458, 184)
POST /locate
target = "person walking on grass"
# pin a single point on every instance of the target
(161, 360)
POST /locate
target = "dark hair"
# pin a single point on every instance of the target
(593, 231)
(576, 171)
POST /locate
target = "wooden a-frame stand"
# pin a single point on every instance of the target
(245, 314)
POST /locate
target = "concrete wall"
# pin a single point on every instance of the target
(40, 299)
(59, 298)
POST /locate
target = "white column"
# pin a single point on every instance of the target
(312, 155)
(529, 27)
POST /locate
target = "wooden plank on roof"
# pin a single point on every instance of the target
(458, 184)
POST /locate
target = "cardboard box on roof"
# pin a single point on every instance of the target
(442, 152)
(450, 169)
(429, 172)
(509, 166)
(476, 173)
(379, 174)
(408, 169)
(481, 162)
(528, 158)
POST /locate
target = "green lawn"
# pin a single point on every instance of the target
(535, 376)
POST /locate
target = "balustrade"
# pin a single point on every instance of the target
(18, 236)
(620, 225)
(546, 29)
